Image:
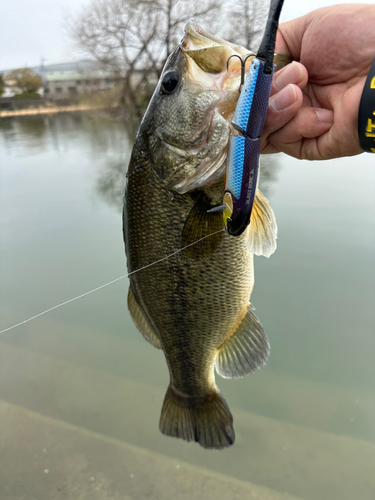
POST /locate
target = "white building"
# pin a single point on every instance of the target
(62, 83)
(67, 80)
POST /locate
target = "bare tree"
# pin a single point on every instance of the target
(134, 38)
(117, 34)
(247, 20)
(176, 13)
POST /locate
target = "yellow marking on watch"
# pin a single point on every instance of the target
(370, 125)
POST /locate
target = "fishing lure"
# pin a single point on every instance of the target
(248, 121)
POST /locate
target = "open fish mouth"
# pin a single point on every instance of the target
(207, 58)
(197, 39)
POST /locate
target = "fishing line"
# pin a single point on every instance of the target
(110, 282)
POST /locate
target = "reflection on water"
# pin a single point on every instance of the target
(270, 170)
(111, 141)
(111, 183)
(305, 424)
(35, 127)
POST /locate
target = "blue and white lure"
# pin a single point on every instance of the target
(248, 121)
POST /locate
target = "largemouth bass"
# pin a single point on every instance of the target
(193, 301)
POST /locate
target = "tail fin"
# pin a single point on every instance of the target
(205, 420)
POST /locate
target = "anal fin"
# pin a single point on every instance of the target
(263, 228)
(141, 322)
(245, 351)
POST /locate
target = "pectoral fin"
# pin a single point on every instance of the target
(245, 351)
(200, 224)
(141, 322)
(263, 228)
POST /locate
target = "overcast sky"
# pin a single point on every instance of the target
(30, 30)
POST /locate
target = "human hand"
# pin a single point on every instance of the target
(313, 111)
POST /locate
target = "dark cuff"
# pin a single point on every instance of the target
(366, 114)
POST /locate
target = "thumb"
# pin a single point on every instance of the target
(289, 37)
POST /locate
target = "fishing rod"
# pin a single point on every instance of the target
(248, 122)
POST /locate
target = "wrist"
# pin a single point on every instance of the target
(366, 113)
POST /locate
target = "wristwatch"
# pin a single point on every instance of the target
(366, 113)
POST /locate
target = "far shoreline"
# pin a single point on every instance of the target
(51, 110)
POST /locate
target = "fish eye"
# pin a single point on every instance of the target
(169, 82)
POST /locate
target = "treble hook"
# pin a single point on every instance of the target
(243, 63)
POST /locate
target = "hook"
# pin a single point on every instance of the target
(243, 63)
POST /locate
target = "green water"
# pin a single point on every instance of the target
(305, 424)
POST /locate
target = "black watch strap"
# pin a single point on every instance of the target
(366, 114)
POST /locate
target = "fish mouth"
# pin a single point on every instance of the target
(196, 38)
(207, 57)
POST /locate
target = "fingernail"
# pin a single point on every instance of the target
(284, 98)
(293, 73)
(324, 115)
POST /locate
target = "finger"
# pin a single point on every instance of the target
(306, 101)
(270, 150)
(286, 99)
(281, 47)
(294, 73)
(282, 108)
(299, 136)
(289, 36)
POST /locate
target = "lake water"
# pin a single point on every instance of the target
(81, 391)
